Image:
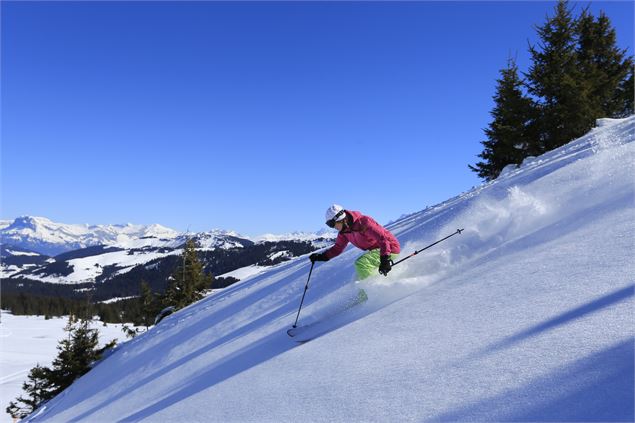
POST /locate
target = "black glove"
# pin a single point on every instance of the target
(385, 265)
(317, 257)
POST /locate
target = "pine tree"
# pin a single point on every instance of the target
(578, 74)
(76, 353)
(38, 389)
(567, 111)
(626, 94)
(604, 66)
(149, 304)
(510, 136)
(188, 281)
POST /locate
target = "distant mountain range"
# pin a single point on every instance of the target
(41, 235)
(109, 261)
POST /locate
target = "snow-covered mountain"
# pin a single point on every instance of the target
(300, 236)
(38, 249)
(526, 316)
(41, 235)
(115, 258)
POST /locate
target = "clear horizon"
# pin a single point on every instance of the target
(248, 116)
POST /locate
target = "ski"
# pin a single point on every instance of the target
(304, 333)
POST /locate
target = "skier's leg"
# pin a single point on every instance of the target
(367, 264)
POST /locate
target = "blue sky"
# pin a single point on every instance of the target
(251, 116)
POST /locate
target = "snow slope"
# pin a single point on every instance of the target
(528, 315)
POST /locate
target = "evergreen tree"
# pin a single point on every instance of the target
(604, 66)
(149, 304)
(38, 389)
(511, 135)
(626, 94)
(108, 313)
(566, 111)
(188, 281)
(76, 353)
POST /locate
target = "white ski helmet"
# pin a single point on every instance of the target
(335, 213)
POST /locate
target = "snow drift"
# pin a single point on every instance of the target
(528, 315)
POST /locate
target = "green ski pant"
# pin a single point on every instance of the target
(368, 264)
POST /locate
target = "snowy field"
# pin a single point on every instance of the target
(28, 340)
(526, 316)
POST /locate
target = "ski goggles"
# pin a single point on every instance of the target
(331, 222)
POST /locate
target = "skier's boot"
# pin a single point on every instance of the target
(362, 297)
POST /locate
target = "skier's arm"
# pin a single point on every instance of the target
(340, 243)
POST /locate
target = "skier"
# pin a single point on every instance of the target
(364, 233)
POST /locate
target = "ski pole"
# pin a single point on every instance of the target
(305, 289)
(458, 231)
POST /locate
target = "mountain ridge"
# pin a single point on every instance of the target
(42, 235)
(110, 261)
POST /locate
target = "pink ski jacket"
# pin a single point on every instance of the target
(363, 232)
